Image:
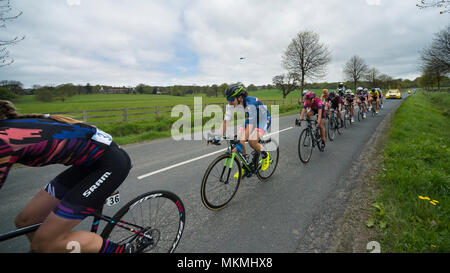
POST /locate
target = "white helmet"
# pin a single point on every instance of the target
(348, 92)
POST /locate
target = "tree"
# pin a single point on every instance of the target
(355, 69)
(435, 59)
(444, 5)
(372, 76)
(286, 83)
(306, 57)
(5, 8)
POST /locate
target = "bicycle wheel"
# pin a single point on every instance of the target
(272, 148)
(360, 114)
(219, 184)
(331, 129)
(305, 145)
(154, 222)
(318, 139)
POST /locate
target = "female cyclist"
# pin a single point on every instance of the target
(97, 167)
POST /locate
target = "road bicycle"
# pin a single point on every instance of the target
(309, 138)
(373, 109)
(348, 116)
(151, 222)
(361, 112)
(333, 124)
(223, 176)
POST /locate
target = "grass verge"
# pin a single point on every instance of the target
(412, 212)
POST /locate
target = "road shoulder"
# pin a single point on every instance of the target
(341, 226)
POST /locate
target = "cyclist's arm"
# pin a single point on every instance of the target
(302, 114)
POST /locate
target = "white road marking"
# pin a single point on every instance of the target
(197, 158)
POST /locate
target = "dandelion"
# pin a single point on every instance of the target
(424, 198)
(433, 203)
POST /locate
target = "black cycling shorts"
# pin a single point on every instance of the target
(316, 111)
(84, 189)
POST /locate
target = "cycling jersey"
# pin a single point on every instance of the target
(350, 98)
(373, 94)
(41, 141)
(335, 101)
(315, 105)
(256, 113)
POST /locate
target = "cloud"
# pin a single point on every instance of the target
(73, 2)
(167, 42)
(373, 2)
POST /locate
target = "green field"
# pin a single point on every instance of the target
(29, 104)
(413, 211)
(140, 130)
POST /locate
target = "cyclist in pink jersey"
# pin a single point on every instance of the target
(317, 107)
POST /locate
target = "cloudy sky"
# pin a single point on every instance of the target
(168, 42)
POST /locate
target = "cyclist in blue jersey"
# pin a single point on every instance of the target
(257, 121)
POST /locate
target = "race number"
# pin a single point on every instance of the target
(113, 199)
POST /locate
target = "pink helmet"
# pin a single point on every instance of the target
(310, 95)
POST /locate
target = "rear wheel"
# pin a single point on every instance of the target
(152, 222)
(270, 147)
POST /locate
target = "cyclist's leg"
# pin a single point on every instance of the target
(104, 177)
(36, 211)
(48, 199)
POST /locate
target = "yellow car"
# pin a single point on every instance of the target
(394, 94)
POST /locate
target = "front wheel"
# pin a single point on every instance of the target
(220, 182)
(152, 222)
(305, 145)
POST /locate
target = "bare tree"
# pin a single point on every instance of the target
(444, 5)
(306, 57)
(372, 76)
(286, 83)
(355, 69)
(435, 59)
(5, 9)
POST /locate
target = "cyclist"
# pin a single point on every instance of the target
(350, 102)
(380, 96)
(257, 121)
(335, 102)
(324, 95)
(341, 89)
(301, 100)
(373, 98)
(361, 99)
(97, 167)
(317, 108)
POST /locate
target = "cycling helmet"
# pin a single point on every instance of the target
(304, 92)
(310, 95)
(324, 91)
(365, 89)
(359, 89)
(341, 86)
(332, 94)
(234, 90)
(348, 92)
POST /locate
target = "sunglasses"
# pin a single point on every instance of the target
(230, 99)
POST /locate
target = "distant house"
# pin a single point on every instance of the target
(117, 90)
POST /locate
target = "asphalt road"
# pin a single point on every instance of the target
(271, 217)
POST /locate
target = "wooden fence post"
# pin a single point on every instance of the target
(125, 115)
(84, 116)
